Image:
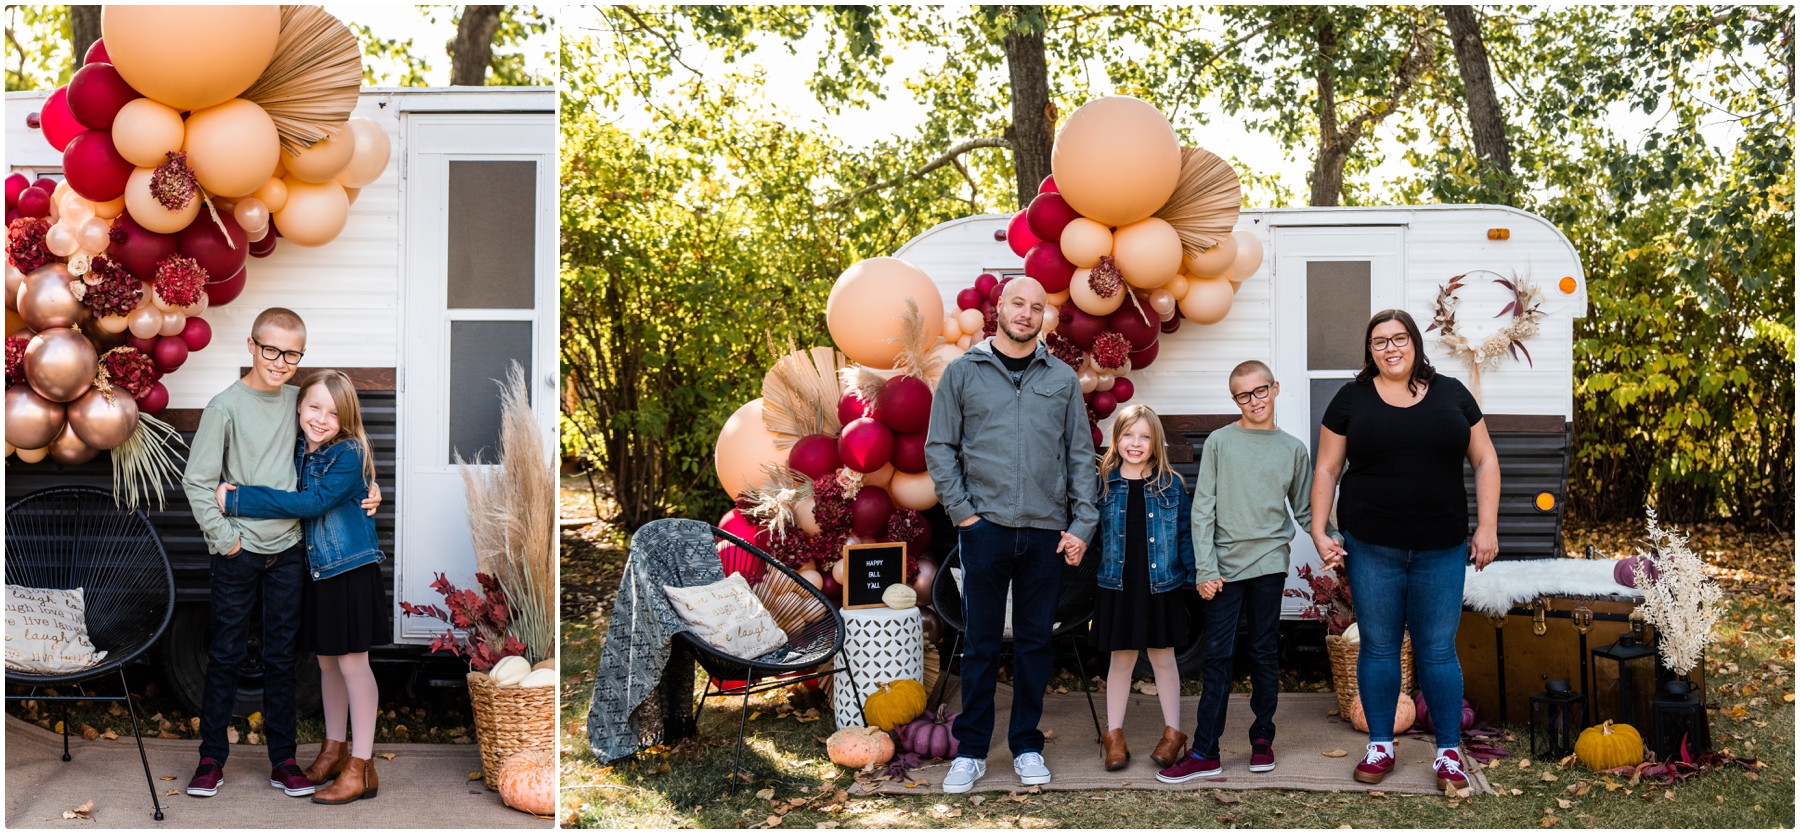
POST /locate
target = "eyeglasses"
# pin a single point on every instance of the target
(271, 353)
(1381, 342)
(1260, 392)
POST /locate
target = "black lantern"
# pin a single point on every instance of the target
(1558, 715)
(1624, 679)
(1679, 720)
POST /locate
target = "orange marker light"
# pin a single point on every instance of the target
(1567, 285)
(1499, 234)
(1546, 501)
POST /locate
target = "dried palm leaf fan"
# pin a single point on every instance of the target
(311, 84)
(1206, 201)
(800, 394)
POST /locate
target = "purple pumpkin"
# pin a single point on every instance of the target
(929, 736)
(1625, 570)
(1424, 714)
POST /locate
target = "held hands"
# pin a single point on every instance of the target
(1331, 551)
(1484, 546)
(1210, 588)
(1071, 548)
(370, 503)
(219, 493)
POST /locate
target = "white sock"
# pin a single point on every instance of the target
(1443, 750)
(1386, 747)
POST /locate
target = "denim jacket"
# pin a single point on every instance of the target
(1170, 546)
(340, 536)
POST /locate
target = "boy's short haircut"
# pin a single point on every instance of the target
(1247, 368)
(280, 317)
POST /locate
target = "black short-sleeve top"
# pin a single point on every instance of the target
(1403, 483)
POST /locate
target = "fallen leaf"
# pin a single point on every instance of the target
(827, 823)
(1515, 792)
(1335, 754)
(1546, 776)
(1751, 775)
(1378, 794)
(766, 793)
(1226, 798)
(1564, 804)
(1549, 821)
(976, 801)
(1524, 764)
(1788, 697)
(1226, 818)
(109, 735)
(661, 768)
(755, 715)
(81, 812)
(1669, 795)
(89, 733)
(167, 734)
(772, 822)
(231, 735)
(387, 756)
(172, 792)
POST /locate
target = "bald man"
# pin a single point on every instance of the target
(1012, 457)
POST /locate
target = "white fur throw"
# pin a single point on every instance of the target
(1502, 585)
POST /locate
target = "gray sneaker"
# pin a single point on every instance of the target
(963, 773)
(1031, 769)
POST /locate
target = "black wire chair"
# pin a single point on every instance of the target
(77, 537)
(815, 633)
(1074, 608)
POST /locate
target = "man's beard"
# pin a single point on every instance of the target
(1004, 328)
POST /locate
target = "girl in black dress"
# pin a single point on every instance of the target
(1147, 563)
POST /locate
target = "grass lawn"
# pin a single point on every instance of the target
(794, 785)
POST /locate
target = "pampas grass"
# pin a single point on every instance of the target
(1681, 602)
(144, 463)
(512, 520)
(917, 341)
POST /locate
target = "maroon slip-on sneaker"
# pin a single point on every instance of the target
(207, 779)
(1191, 766)
(288, 777)
(1262, 757)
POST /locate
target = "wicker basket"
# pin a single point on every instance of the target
(508, 720)
(1343, 669)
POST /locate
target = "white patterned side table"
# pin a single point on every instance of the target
(880, 645)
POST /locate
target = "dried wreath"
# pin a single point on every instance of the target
(1527, 314)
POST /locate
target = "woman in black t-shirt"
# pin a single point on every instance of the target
(1405, 431)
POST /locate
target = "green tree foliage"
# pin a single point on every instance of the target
(38, 56)
(411, 66)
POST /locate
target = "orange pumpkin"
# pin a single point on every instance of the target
(1404, 714)
(859, 747)
(528, 782)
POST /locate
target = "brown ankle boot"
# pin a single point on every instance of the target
(1169, 750)
(1114, 745)
(356, 781)
(332, 757)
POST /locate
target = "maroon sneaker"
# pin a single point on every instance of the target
(207, 779)
(1262, 757)
(1450, 772)
(1374, 767)
(1191, 766)
(288, 777)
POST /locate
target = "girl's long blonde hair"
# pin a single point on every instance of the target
(1161, 474)
(349, 409)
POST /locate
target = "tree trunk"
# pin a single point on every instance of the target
(84, 29)
(1327, 177)
(1033, 130)
(1486, 121)
(474, 45)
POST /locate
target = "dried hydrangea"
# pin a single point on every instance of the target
(792, 551)
(180, 280)
(129, 370)
(1111, 352)
(826, 548)
(990, 321)
(1105, 279)
(905, 525)
(25, 243)
(1061, 348)
(15, 359)
(173, 183)
(830, 508)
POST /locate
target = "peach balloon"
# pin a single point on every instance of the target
(14, 278)
(1213, 262)
(111, 209)
(144, 322)
(1052, 317)
(913, 491)
(15, 322)
(1249, 257)
(93, 235)
(350, 193)
(864, 308)
(1148, 252)
(1163, 302)
(191, 57)
(31, 455)
(251, 214)
(879, 477)
(1116, 160)
(146, 131)
(258, 235)
(69, 450)
(31, 421)
(151, 214)
(1081, 291)
(60, 240)
(803, 516)
(1084, 242)
(1178, 286)
(324, 160)
(965, 342)
(969, 321)
(113, 324)
(1207, 301)
(941, 357)
(315, 213)
(952, 329)
(840, 571)
(60, 364)
(744, 445)
(273, 194)
(232, 147)
(372, 151)
(76, 209)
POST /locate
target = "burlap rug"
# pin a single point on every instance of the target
(1304, 735)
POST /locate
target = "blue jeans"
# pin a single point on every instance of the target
(1259, 598)
(236, 582)
(1397, 591)
(992, 558)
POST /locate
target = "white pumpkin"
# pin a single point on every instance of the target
(510, 670)
(1352, 635)
(539, 677)
(900, 597)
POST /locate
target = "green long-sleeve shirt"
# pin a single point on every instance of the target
(1247, 480)
(246, 438)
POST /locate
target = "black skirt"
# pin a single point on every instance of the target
(346, 613)
(1132, 618)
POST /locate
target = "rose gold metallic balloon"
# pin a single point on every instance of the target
(921, 584)
(45, 300)
(14, 278)
(60, 364)
(102, 424)
(31, 421)
(68, 450)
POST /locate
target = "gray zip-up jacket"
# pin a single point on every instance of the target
(1019, 457)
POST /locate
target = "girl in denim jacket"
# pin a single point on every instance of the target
(1146, 568)
(344, 609)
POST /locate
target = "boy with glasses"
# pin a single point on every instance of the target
(1250, 473)
(246, 437)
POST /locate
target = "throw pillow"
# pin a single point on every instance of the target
(46, 631)
(728, 616)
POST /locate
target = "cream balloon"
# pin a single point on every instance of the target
(1084, 242)
(146, 131)
(232, 147)
(1249, 257)
(1081, 291)
(160, 303)
(196, 308)
(323, 161)
(32, 455)
(60, 240)
(371, 157)
(251, 214)
(1116, 160)
(912, 491)
(1088, 380)
(76, 209)
(1213, 262)
(1178, 286)
(191, 57)
(151, 214)
(1207, 301)
(259, 234)
(879, 477)
(969, 321)
(1163, 302)
(865, 305)
(315, 213)
(144, 322)
(1148, 252)
(113, 324)
(93, 235)
(1052, 317)
(744, 445)
(172, 323)
(273, 194)
(111, 209)
(803, 516)
(1104, 382)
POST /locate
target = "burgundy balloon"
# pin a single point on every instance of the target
(1105, 404)
(1079, 327)
(196, 333)
(1126, 321)
(143, 346)
(909, 452)
(46, 183)
(1123, 389)
(1019, 236)
(203, 241)
(94, 167)
(1048, 214)
(831, 588)
(1048, 185)
(227, 291)
(816, 455)
(1099, 438)
(34, 202)
(15, 184)
(35, 121)
(850, 407)
(59, 124)
(968, 299)
(169, 353)
(96, 54)
(866, 445)
(985, 283)
(11, 215)
(262, 248)
(1046, 263)
(141, 250)
(735, 559)
(870, 510)
(154, 400)
(1141, 359)
(1172, 325)
(96, 93)
(993, 293)
(904, 404)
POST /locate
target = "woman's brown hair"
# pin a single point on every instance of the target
(1161, 474)
(349, 413)
(1422, 371)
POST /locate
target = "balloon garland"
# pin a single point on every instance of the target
(1527, 313)
(110, 270)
